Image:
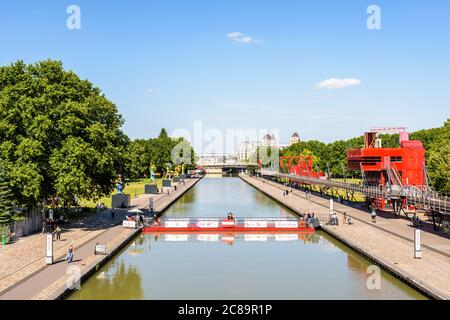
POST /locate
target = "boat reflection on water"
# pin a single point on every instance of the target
(231, 238)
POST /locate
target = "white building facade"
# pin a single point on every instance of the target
(295, 138)
(245, 150)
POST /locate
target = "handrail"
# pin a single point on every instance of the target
(414, 195)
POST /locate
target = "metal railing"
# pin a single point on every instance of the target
(422, 197)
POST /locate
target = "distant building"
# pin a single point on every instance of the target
(245, 150)
(295, 138)
(208, 159)
(269, 141)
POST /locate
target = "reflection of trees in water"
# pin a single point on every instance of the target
(356, 263)
(140, 240)
(125, 284)
(188, 197)
(310, 238)
(262, 199)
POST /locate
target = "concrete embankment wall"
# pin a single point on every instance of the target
(390, 252)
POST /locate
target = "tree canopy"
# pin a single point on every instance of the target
(59, 135)
(160, 152)
(438, 156)
(6, 198)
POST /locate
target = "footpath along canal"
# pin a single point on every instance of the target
(219, 267)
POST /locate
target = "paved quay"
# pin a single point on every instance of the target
(24, 274)
(388, 243)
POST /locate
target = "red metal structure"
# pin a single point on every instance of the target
(300, 166)
(401, 167)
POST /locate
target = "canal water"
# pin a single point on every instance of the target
(246, 267)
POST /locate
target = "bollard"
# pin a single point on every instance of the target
(150, 204)
(417, 246)
(49, 247)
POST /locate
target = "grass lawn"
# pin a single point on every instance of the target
(134, 189)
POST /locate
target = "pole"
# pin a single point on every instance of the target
(417, 247)
(309, 203)
(150, 203)
(343, 171)
(49, 247)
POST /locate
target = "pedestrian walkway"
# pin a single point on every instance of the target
(389, 242)
(400, 227)
(23, 272)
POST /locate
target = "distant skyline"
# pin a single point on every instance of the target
(311, 67)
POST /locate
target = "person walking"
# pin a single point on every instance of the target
(374, 216)
(44, 226)
(61, 219)
(58, 233)
(70, 251)
(113, 213)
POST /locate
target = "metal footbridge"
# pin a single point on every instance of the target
(422, 199)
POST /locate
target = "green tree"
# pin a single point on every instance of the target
(439, 167)
(60, 136)
(163, 134)
(269, 156)
(139, 156)
(438, 157)
(161, 151)
(6, 198)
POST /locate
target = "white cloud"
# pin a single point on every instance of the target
(239, 37)
(234, 35)
(338, 83)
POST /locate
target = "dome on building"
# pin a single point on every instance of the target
(295, 135)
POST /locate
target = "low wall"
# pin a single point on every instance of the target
(27, 227)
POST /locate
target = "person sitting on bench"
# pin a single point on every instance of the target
(416, 221)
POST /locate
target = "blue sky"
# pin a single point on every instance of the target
(167, 63)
